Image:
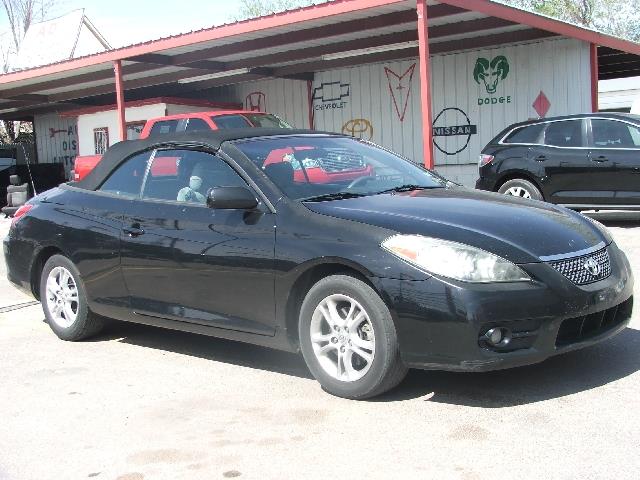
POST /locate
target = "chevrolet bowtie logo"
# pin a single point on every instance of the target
(331, 92)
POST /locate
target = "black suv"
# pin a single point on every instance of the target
(580, 161)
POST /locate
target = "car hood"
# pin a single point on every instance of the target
(522, 231)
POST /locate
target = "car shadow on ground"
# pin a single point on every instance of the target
(559, 376)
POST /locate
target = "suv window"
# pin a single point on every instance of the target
(613, 134)
(126, 180)
(164, 126)
(197, 125)
(564, 133)
(187, 176)
(530, 134)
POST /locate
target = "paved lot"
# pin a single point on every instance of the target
(144, 403)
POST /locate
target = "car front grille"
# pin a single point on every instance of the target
(341, 160)
(574, 330)
(577, 271)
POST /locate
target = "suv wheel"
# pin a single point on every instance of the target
(348, 338)
(521, 188)
(64, 301)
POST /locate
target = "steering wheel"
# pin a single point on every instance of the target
(360, 181)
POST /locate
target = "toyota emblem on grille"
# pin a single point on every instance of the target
(592, 266)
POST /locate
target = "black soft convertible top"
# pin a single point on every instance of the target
(211, 139)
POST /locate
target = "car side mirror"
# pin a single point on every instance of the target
(238, 198)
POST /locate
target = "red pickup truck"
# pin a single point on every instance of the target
(333, 166)
(190, 122)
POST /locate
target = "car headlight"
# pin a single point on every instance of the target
(454, 260)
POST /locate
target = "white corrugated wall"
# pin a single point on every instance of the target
(558, 67)
(287, 99)
(56, 139)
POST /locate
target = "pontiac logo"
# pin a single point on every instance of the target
(592, 266)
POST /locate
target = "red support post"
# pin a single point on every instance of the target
(122, 122)
(425, 84)
(310, 105)
(593, 51)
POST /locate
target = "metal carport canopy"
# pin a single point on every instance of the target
(292, 44)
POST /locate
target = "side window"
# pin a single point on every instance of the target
(126, 180)
(564, 134)
(231, 121)
(530, 134)
(187, 176)
(164, 126)
(197, 125)
(612, 134)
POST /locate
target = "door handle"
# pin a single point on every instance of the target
(600, 159)
(541, 158)
(133, 231)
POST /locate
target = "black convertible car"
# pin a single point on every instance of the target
(227, 234)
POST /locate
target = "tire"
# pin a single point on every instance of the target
(70, 320)
(519, 187)
(369, 344)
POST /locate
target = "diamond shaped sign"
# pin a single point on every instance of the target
(541, 104)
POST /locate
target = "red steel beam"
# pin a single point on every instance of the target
(122, 122)
(593, 53)
(425, 84)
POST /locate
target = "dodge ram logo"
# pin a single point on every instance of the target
(491, 72)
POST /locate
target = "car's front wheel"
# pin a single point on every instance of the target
(348, 338)
(519, 187)
(64, 301)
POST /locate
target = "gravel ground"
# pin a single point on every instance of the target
(144, 403)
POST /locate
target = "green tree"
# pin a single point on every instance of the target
(616, 17)
(20, 15)
(258, 8)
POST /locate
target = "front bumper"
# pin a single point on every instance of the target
(440, 322)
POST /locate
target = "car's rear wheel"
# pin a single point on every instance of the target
(519, 187)
(64, 301)
(348, 338)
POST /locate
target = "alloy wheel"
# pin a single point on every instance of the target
(518, 192)
(342, 338)
(62, 297)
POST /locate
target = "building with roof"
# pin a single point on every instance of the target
(433, 80)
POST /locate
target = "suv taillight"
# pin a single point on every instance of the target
(21, 212)
(485, 160)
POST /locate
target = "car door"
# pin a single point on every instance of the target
(569, 172)
(184, 261)
(617, 144)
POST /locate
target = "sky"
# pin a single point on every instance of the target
(124, 22)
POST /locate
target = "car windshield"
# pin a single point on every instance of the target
(323, 168)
